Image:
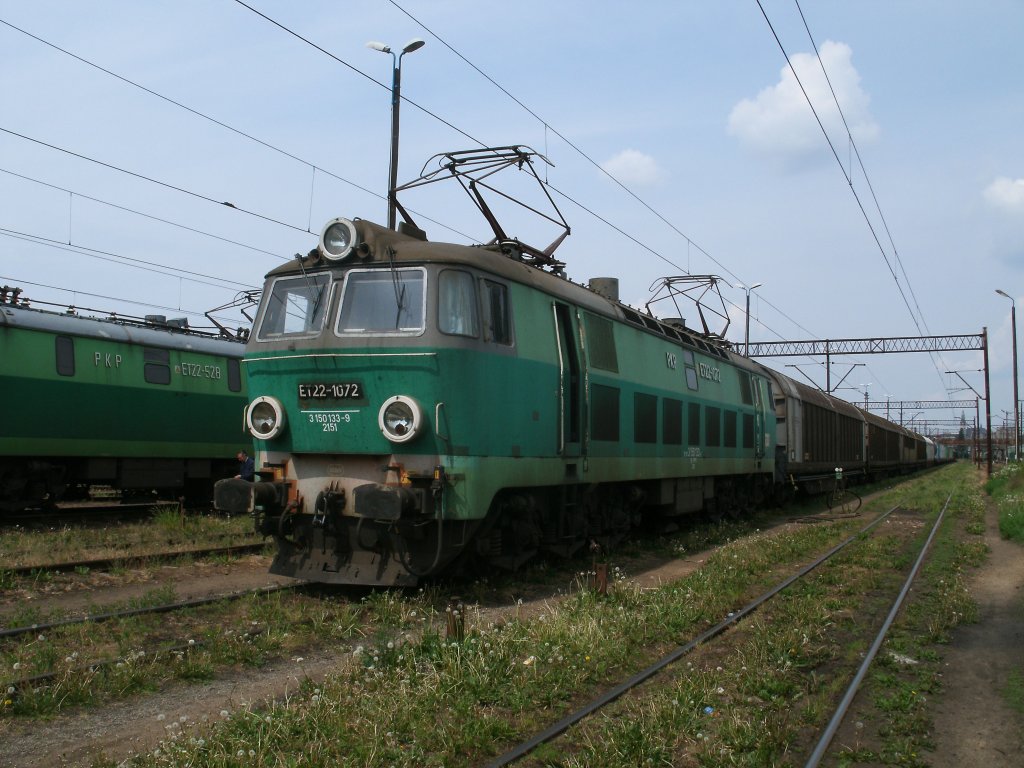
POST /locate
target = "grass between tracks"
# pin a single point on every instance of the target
(414, 697)
(96, 663)
(167, 530)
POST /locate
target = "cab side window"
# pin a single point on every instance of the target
(65, 349)
(690, 366)
(497, 313)
(456, 304)
(157, 366)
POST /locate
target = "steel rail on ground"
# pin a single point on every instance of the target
(844, 705)
(565, 723)
(109, 562)
(166, 608)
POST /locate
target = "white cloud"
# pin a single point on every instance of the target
(779, 123)
(1006, 194)
(634, 168)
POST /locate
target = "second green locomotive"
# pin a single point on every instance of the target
(139, 406)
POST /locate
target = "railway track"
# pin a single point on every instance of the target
(16, 687)
(87, 513)
(527, 746)
(131, 612)
(167, 655)
(105, 564)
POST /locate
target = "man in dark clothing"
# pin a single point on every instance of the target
(246, 467)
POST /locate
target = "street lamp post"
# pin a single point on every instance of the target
(746, 335)
(1016, 400)
(396, 100)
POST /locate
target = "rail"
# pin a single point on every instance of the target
(130, 612)
(524, 748)
(851, 691)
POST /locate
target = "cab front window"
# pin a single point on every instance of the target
(296, 307)
(383, 302)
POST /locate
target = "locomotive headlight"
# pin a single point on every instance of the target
(400, 419)
(265, 417)
(338, 239)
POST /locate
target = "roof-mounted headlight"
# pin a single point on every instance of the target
(339, 240)
(400, 419)
(265, 417)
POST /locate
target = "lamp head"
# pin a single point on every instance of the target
(413, 45)
(379, 46)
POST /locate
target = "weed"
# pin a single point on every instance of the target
(1013, 691)
(750, 700)
(1006, 487)
(71, 543)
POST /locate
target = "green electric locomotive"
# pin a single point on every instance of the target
(139, 406)
(413, 402)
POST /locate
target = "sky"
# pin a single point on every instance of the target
(160, 157)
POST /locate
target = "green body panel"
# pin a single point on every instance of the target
(106, 408)
(456, 388)
(530, 413)
(493, 417)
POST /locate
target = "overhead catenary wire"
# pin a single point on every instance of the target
(308, 163)
(846, 175)
(141, 213)
(547, 126)
(358, 71)
(481, 143)
(128, 261)
(195, 313)
(863, 169)
(262, 142)
(871, 188)
(372, 79)
(151, 180)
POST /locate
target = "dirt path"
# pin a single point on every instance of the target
(974, 725)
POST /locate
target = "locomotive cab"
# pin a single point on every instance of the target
(352, 419)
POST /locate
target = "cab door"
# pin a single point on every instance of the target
(761, 403)
(571, 382)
